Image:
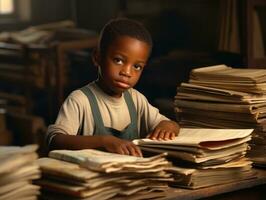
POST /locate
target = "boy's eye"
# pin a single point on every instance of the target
(118, 61)
(138, 67)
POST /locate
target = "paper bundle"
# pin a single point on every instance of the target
(224, 77)
(224, 97)
(93, 174)
(17, 170)
(198, 153)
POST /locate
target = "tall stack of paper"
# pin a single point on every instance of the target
(224, 97)
(205, 157)
(17, 170)
(93, 174)
(222, 76)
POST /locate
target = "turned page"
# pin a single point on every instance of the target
(203, 137)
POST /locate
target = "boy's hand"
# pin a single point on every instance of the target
(165, 130)
(117, 145)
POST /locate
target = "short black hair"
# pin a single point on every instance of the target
(122, 27)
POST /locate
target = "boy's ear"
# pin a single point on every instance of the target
(96, 57)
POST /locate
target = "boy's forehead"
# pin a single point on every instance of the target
(130, 47)
(128, 42)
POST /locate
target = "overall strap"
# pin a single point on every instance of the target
(129, 133)
(94, 106)
(131, 108)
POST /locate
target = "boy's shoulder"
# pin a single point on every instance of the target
(136, 94)
(78, 95)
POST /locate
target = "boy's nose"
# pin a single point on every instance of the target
(126, 71)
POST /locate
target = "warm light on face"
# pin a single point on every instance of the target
(6, 6)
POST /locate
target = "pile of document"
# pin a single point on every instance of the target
(17, 170)
(224, 97)
(205, 157)
(94, 174)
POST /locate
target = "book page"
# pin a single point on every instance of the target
(108, 162)
(99, 156)
(196, 136)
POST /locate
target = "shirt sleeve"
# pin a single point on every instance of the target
(149, 115)
(68, 120)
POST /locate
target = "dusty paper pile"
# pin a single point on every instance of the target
(17, 170)
(222, 76)
(223, 97)
(93, 174)
(205, 157)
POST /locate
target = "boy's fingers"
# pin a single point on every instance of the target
(155, 134)
(167, 135)
(138, 151)
(134, 150)
(173, 135)
(120, 151)
(124, 149)
(127, 150)
(131, 150)
(161, 135)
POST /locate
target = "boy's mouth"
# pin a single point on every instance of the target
(122, 84)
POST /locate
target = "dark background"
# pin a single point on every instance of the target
(185, 33)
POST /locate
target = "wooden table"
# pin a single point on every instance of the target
(248, 189)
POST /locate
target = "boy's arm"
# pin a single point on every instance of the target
(108, 142)
(165, 130)
(155, 124)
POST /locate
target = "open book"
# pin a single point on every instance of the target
(202, 147)
(204, 157)
(211, 139)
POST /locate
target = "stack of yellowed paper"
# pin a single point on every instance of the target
(93, 174)
(17, 170)
(225, 77)
(225, 97)
(205, 157)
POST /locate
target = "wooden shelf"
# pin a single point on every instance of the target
(61, 50)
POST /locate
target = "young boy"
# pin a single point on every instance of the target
(108, 113)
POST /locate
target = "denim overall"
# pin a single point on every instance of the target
(129, 133)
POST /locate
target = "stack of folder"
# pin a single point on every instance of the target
(205, 157)
(93, 174)
(224, 97)
(17, 171)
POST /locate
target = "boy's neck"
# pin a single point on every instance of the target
(106, 90)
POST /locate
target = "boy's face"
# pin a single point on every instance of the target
(122, 65)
